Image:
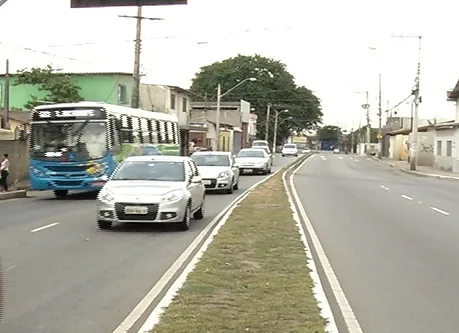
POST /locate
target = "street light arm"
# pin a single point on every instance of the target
(237, 85)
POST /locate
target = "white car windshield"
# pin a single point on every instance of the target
(150, 170)
(290, 147)
(210, 160)
(251, 153)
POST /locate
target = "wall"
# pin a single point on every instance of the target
(158, 98)
(19, 161)
(426, 149)
(94, 87)
(442, 161)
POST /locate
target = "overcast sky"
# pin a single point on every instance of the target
(325, 45)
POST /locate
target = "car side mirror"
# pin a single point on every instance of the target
(196, 179)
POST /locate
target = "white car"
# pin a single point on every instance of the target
(254, 160)
(336, 151)
(152, 189)
(218, 170)
(260, 143)
(290, 149)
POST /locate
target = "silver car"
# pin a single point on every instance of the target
(159, 189)
(218, 170)
(254, 160)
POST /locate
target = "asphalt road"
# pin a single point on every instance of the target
(392, 239)
(72, 277)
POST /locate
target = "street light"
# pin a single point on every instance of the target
(379, 112)
(366, 107)
(416, 92)
(276, 125)
(219, 97)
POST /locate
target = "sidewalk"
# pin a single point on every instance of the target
(426, 171)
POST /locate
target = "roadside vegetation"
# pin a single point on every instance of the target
(252, 278)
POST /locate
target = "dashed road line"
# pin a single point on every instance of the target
(406, 197)
(439, 211)
(45, 227)
(383, 187)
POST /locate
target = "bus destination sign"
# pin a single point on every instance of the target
(68, 114)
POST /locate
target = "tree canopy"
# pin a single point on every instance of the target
(328, 133)
(59, 87)
(274, 85)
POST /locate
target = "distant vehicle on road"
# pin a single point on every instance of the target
(260, 143)
(253, 160)
(336, 151)
(76, 146)
(289, 149)
(152, 189)
(218, 169)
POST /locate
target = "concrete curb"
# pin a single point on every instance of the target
(419, 173)
(13, 195)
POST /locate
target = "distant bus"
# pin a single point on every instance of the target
(76, 146)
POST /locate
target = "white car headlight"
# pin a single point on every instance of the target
(106, 196)
(173, 196)
(223, 174)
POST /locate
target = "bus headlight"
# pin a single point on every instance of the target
(36, 172)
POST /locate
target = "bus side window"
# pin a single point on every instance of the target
(115, 129)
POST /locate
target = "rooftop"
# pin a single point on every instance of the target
(453, 95)
(85, 73)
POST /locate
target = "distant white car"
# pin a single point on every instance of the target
(290, 149)
(260, 143)
(218, 170)
(254, 161)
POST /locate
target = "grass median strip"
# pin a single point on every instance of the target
(252, 278)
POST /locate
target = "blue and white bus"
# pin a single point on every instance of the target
(76, 146)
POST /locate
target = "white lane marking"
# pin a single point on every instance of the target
(406, 197)
(439, 211)
(419, 202)
(340, 157)
(348, 314)
(368, 159)
(150, 297)
(318, 290)
(9, 268)
(45, 227)
(383, 187)
(351, 158)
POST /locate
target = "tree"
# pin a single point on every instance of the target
(59, 87)
(329, 133)
(274, 85)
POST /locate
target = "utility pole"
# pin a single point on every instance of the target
(6, 110)
(138, 39)
(414, 145)
(135, 99)
(268, 110)
(275, 132)
(380, 120)
(217, 118)
(352, 140)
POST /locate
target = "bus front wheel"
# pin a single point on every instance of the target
(60, 193)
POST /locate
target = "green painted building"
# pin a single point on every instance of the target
(112, 88)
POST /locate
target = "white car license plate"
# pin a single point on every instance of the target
(248, 170)
(206, 182)
(135, 210)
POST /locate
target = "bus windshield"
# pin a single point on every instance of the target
(75, 141)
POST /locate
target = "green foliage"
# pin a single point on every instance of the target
(329, 133)
(59, 87)
(274, 85)
(361, 133)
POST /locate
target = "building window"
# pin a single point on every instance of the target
(439, 148)
(449, 148)
(185, 105)
(173, 98)
(122, 94)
